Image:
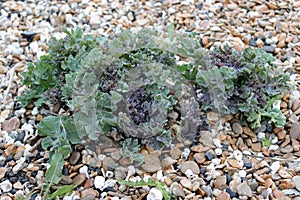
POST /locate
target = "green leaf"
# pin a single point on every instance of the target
(266, 142)
(54, 173)
(50, 126)
(62, 191)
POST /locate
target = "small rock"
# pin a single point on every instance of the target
(237, 128)
(281, 43)
(75, 155)
(175, 152)
(95, 162)
(207, 190)
(284, 174)
(167, 162)
(154, 194)
(79, 179)
(278, 194)
(88, 194)
(199, 158)
(235, 163)
(11, 124)
(232, 6)
(3, 171)
(287, 149)
(193, 166)
(18, 185)
(66, 180)
(223, 196)
(295, 130)
(275, 167)
(186, 183)
(209, 156)
(220, 182)
(256, 147)
(99, 182)
(238, 155)
(249, 132)
(152, 163)
(253, 185)
(5, 186)
(244, 190)
(177, 190)
(296, 180)
(213, 117)
(3, 69)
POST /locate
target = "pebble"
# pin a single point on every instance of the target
(296, 180)
(152, 163)
(177, 190)
(223, 196)
(5, 186)
(220, 182)
(75, 155)
(154, 194)
(275, 167)
(237, 128)
(190, 165)
(295, 130)
(244, 190)
(79, 179)
(11, 124)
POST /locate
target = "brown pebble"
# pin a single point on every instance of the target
(168, 181)
(278, 194)
(286, 184)
(286, 141)
(295, 130)
(256, 147)
(295, 145)
(223, 196)
(199, 158)
(199, 148)
(79, 179)
(284, 174)
(11, 124)
(39, 118)
(281, 134)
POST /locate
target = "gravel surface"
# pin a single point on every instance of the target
(229, 163)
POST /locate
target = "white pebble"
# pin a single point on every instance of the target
(216, 161)
(185, 153)
(154, 194)
(5, 186)
(242, 173)
(35, 111)
(160, 176)
(273, 147)
(237, 154)
(217, 143)
(275, 167)
(218, 151)
(84, 170)
(109, 174)
(99, 182)
(261, 135)
(275, 140)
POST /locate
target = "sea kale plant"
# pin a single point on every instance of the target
(131, 84)
(246, 82)
(144, 90)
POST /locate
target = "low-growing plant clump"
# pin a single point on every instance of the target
(126, 88)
